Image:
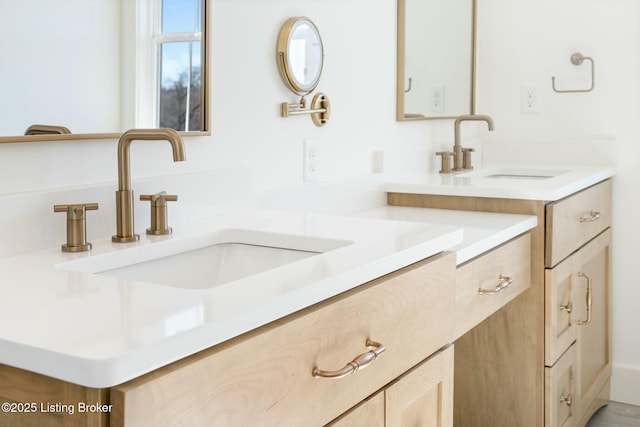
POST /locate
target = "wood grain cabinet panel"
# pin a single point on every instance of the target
(51, 402)
(593, 325)
(562, 287)
(485, 284)
(369, 413)
(573, 221)
(561, 406)
(422, 397)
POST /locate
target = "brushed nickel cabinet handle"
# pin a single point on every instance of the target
(360, 362)
(593, 216)
(589, 299)
(503, 283)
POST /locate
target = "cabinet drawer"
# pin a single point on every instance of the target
(560, 406)
(265, 377)
(573, 221)
(488, 282)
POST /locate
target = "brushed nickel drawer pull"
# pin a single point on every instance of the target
(503, 283)
(589, 299)
(360, 362)
(593, 216)
(568, 400)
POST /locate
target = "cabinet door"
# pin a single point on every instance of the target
(593, 319)
(369, 413)
(562, 287)
(577, 310)
(424, 396)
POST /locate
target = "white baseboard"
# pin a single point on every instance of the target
(625, 384)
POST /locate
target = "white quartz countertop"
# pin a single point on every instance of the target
(99, 331)
(482, 231)
(504, 181)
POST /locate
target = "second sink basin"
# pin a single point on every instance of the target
(514, 173)
(207, 260)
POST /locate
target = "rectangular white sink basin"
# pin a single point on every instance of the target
(514, 173)
(205, 261)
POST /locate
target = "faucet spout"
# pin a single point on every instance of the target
(457, 147)
(124, 195)
(124, 168)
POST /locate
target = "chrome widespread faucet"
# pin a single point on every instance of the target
(462, 156)
(124, 195)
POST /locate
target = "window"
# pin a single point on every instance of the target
(178, 45)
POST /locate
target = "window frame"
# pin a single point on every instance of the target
(148, 69)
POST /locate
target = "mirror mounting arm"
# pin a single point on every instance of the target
(320, 109)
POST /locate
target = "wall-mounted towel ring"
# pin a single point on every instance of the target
(577, 59)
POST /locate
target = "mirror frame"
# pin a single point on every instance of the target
(204, 110)
(400, 66)
(283, 55)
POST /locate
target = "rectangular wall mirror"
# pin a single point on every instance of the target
(100, 67)
(436, 59)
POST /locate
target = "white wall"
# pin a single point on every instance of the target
(247, 130)
(521, 42)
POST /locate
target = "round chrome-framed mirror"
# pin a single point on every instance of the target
(300, 55)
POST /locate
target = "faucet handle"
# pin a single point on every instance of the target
(445, 161)
(76, 226)
(466, 158)
(159, 223)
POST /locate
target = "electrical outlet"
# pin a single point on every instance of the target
(311, 161)
(529, 99)
(436, 99)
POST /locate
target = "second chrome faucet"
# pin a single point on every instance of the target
(124, 196)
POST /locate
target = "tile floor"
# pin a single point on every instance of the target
(616, 415)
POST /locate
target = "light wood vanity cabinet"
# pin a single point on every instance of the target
(421, 397)
(532, 363)
(577, 314)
